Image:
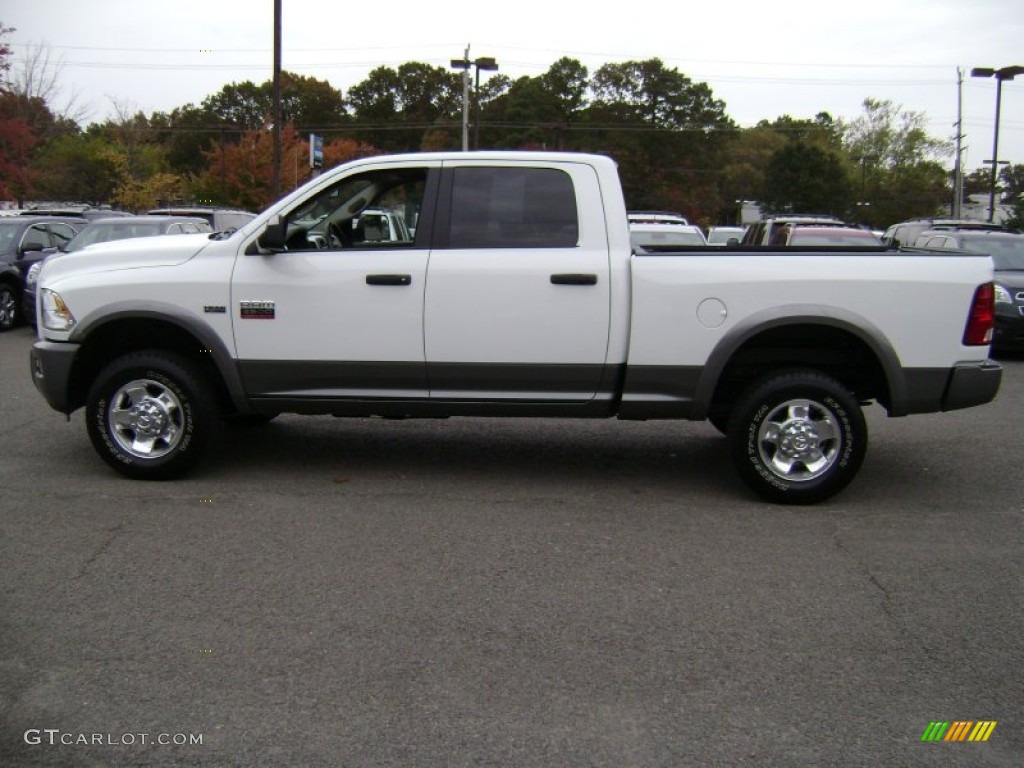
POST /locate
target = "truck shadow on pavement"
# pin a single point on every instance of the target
(590, 455)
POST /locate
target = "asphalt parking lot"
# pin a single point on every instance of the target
(507, 593)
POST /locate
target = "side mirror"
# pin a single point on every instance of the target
(31, 247)
(732, 242)
(274, 236)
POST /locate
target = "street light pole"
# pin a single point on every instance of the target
(487, 64)
(1006, 73)
(464, 64)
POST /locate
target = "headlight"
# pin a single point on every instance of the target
(1002, 295)
(56, 315)
(33, 273)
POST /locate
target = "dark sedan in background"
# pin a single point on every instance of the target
(1007, 252)
(24, 241)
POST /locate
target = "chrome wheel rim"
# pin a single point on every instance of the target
(146, 419)
(800, 440)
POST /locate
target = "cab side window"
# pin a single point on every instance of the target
(508, 207)
(377, 209)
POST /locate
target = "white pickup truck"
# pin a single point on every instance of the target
(515, 293)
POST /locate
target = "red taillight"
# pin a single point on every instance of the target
(982, 319)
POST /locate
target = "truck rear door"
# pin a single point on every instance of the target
(518, 294)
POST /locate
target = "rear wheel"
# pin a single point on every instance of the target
(150, 414)
(8, 307)
(797, 437)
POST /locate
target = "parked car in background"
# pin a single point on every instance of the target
(818, 235)
(725, 235)
(82, 211)
(648, 238)
(221, 219)
(1007, 252)
(380, 226)
(907, 232)
(763, 232)
(105, 230)
(25, 240)
(656, 217)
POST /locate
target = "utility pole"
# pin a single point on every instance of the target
(956, 210)
(275, 182)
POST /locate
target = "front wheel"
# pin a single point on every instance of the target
(149, 415)
(797, 437)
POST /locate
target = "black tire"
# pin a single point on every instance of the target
(797, 437)
(10, 307)
(150, 414)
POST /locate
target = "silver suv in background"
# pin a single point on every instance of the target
(103, 231)
(221, 219)
(907, 232)
(651, 238)
(656, 217)
(723, 236)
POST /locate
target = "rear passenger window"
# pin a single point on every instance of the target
(513, 208)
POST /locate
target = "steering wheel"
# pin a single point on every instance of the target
(338, 238)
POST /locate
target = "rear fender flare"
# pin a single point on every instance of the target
(802, 314)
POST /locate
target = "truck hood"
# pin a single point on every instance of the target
(134, 253)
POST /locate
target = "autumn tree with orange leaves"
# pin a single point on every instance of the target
(16, 137)
(239, 174)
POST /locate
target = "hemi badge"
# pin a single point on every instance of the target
(212, 309)
(257, 310)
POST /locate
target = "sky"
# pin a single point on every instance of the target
(763, 59)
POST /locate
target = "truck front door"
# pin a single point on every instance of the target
(338, 316)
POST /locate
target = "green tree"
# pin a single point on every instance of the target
(667, 133)
(977, 181)
(400, 110)
(895, 153)
(744, 168)
(1017, 220)
(81, 167)
(1012, 179)
(151, 192)
(5, 54)
(538, 112)
(804, 178)
(190, 131)
(186, 133)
